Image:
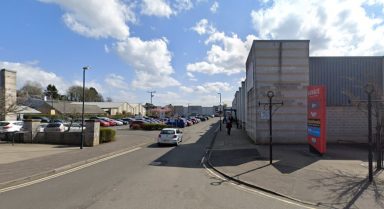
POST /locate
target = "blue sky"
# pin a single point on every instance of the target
(185, 50)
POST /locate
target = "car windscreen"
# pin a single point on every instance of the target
(167, 132)
(53, 125)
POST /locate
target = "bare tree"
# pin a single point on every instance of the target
(31, 88)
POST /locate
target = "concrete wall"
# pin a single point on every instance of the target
(91, 135)
(8, 94)
(281, 67)
(347, 124)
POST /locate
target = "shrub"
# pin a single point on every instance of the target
(153, 126)
(107, 135)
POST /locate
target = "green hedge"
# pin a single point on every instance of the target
(107, 135)
(153, 126)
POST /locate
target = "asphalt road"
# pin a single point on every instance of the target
(151, 177)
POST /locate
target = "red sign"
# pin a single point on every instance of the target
(317, 118)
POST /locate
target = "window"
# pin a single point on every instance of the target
(167, 132)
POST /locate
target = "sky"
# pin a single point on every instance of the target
(186, 50)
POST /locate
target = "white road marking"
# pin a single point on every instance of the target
(67, 171)
(253, 191)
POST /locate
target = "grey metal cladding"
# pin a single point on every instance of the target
(345, 77)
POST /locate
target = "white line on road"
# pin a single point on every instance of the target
(67, 171)
(253, 191)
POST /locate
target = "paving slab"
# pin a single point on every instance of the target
(337, 179)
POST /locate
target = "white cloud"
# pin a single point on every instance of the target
(191, 77)
(156, 8)
(214, 7)
(151, 61)
(100, 88)
(31, 72)
(226, 56)
(168, 98)
(116, 81)
(183, 5)
(97, 19)
(203, 27)
(208, 88)
(123, 96)
(334, 27)
(213, 87)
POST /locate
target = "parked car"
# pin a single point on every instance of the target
(129, 120)
(41, 127)
(117, 122)
(170, 136)
(55, 127)
(10, 126)
(123, 121)
(139, 122)
(104, 123)
(74, 127)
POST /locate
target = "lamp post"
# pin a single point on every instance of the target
(220, 110)
(82, 111)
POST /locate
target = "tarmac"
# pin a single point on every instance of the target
(338, 179)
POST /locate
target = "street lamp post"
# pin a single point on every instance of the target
(220, 110)
(82, 111)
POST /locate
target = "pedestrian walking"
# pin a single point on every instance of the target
(229, 126)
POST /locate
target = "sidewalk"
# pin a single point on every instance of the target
(25, 162)
(336, 180)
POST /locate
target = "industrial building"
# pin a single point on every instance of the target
(285, 67)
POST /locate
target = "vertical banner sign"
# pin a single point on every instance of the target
(317, 118)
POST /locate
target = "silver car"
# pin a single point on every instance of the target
(170, 136)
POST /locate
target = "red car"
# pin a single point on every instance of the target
(104, 123)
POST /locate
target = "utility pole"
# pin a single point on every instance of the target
(152, 92)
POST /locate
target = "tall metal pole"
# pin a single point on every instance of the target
(270, 95)
(82, 111)
(220, 110)
(370, 172)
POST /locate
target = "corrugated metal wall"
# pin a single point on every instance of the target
(345, 76)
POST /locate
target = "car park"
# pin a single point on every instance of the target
(170, 136)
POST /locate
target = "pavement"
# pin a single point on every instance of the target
(338, 179)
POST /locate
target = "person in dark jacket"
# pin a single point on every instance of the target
(229, 126)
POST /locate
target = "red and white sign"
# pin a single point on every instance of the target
(316, 127)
